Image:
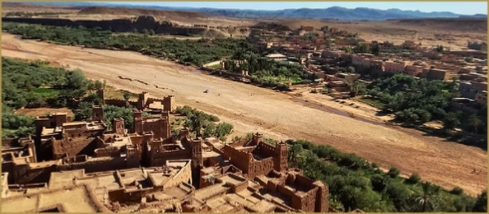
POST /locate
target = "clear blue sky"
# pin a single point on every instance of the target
(466, 8)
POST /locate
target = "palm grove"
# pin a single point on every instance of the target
(354, 183)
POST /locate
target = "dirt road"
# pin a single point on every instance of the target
(250, 108)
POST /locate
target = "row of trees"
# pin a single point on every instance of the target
(191, 52)
(355, 183)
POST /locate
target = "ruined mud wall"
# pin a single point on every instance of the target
(322, 202)
(118, 25)
(108, 151)
(9, 167)
(307, 202)
(183, 176)
(96, 165)
(238, 158)
(159, 159)
(266, 149)
(9, 142)
(118, 102)
(159, 127)
(260, 167)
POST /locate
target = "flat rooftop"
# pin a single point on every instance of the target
(74, 199)
(210, 154)
(233, 179)
(205, 193)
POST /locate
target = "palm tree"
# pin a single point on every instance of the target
(294, 153)
(427, 200)
(197, 121)
(450, 121)
(475, 122)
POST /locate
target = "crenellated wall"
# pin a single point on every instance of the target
(237, 158)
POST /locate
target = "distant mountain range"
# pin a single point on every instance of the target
(338, 13)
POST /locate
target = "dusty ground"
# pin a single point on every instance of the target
(272, 113)
(44, 111)
(455, 32)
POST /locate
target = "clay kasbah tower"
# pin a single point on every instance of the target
(87, 166)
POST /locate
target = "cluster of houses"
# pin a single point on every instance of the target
(470, 67)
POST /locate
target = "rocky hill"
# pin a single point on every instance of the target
(139, 12)
(139, 24)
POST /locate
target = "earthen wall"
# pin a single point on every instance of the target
(184, 175)
(159, 127)
(260, 167)
(109, 151)
(266, 149)
(115, 102)
(72, 147)
(322, 202)
(159, 159)
(239, 187)
(96, 165)
(238, 158)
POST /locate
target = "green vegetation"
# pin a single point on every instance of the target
(418, 101)
(263, 71)
(188, 52)
(14, 125)
(203, 124)
(355, 183)
(373, 102)
(36, 84)
(267, 72)
(50, 92)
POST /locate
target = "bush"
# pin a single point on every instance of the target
(393, 172)
(398, 193)
(223, 129)
(379, 182)
(457, 191)
(413, 179)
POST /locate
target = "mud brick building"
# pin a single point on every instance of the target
(89, 167)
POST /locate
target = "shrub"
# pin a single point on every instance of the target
(394, 172)
(223, 129)
(374, 165)
(379, 182)
(413, 179)
(457, 191)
